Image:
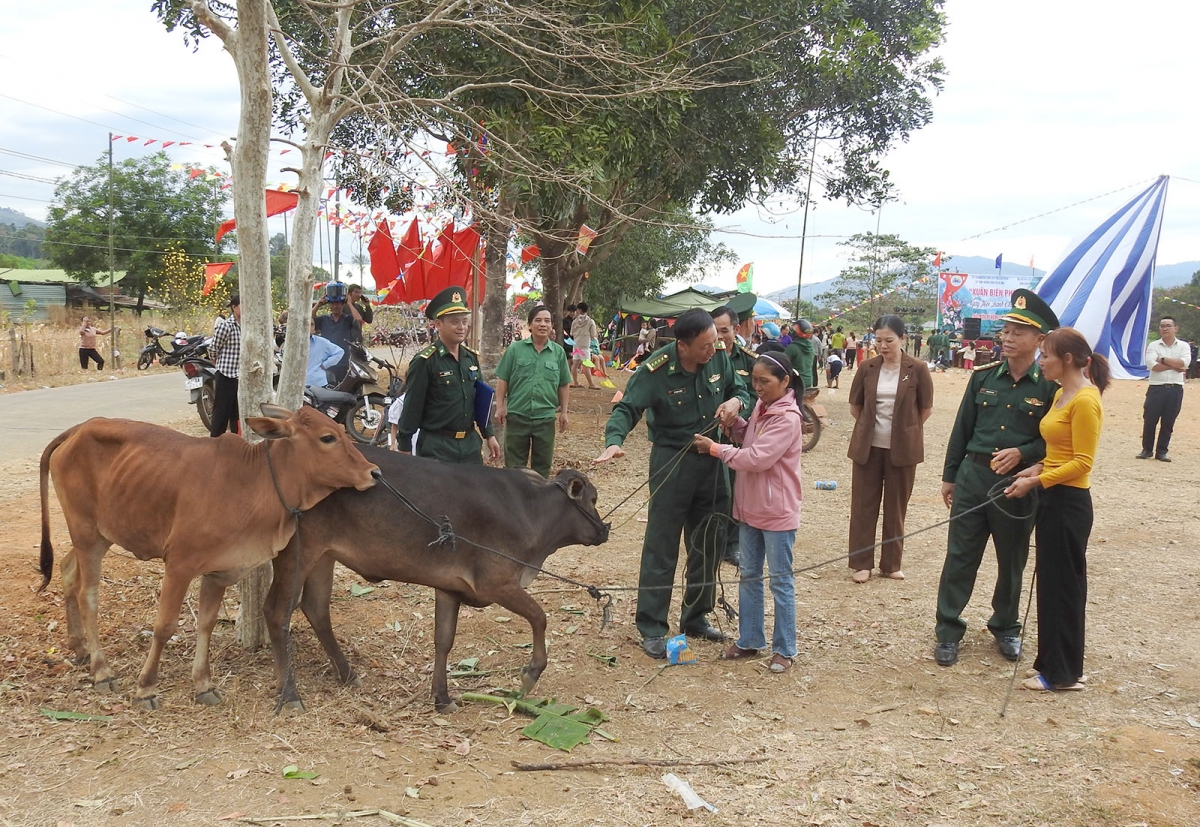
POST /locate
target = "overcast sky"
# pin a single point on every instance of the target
(1045, 104)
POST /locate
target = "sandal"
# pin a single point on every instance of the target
(1040, 684)
(780, 664)
(735, 652)
(861, 576)
(894, 575)
(1033, 673)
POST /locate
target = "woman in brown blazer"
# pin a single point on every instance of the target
(890, 399)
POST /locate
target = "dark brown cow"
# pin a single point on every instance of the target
(207, 507)
(515, 512)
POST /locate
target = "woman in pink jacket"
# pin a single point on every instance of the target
(766, 501)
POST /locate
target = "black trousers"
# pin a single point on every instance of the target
(225, 406)
(1162, 405)
(1064, 522)
(86, 355)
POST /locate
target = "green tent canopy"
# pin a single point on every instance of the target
(672, 306)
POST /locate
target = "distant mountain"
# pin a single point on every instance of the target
(18, 219)
(1174, 275)
(808, 292)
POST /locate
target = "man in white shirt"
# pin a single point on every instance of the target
(1168, 359)
(583, 332)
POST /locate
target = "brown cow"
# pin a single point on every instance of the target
(207, 507)
(518, 513)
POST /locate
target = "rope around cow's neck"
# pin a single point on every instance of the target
(601, 594)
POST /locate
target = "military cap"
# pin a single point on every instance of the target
(743, 305)
(446, 302)
(1028, 308)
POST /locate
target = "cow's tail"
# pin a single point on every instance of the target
(46, 563)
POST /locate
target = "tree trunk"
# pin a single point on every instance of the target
(300, 277)
(497, 296)
(249, 161)
(552, 297)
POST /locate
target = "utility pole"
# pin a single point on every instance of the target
(804, 228)
(337, 233)
(112, 304)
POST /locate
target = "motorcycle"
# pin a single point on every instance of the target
(182, 347)
(366, 419)
(814, 417)
(201, 384)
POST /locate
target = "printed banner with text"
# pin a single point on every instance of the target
(983, 297)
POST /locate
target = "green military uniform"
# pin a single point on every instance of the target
(686, 487)
(997, 411)
(533, 378)
(439, 399)
(937, 342)
(804, 359)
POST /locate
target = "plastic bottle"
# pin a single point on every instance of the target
(826, 485)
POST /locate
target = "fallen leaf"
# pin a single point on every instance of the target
(236, 774)
(955, 759)
(90, 803)
(378, 753)
(412, 792)
(441, 721)
(191, 762)
(358, 591)
(294, 772)
(501, 619)
(463, 748)
(232, 816)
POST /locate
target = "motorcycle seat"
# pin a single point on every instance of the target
(328, 396)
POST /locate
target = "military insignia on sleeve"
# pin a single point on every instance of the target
(427, 352)
(720, 345)
(743, 372)
(1033, 400)
(658, 361)
(988, 366)
(716, 377)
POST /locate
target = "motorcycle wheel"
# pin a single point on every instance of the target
(205, 404)
(145, 359)
(812, 429)
(366, 422)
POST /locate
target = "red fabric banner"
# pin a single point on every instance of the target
(384, 266)
(277, 202)
(410, 245)
(530, 253)
(212, 274)
(434, 263)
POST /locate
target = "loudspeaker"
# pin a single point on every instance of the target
(970, 327)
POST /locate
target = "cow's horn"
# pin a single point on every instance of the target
(274, 411)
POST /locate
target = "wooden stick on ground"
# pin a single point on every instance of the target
(340, 816)
(647, 762)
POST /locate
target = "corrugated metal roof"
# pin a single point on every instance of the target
(53, 276)
(44, 294)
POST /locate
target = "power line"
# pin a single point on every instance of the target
(161, 114)
(29, 157)
(26, 198)
(1059, 209)
(105, 247)
(24, 176)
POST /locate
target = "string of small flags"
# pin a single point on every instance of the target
(875, 297)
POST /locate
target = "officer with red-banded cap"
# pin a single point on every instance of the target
(995, 435)
(440, 397)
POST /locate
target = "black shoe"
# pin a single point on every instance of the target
(1163, 457)
(1144, 455)
(655, 647)
(707, 631)
(1009, 647)
(946, 654)
(733, 559)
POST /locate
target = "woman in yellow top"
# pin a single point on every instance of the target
(1071, 429)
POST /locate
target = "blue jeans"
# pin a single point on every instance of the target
(775, 547)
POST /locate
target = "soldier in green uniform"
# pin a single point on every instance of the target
(996, 434)
(726, 320)
(683, 389)
(938, 341)
(802, 354)
(440, 397)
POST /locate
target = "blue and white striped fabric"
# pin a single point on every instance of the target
(1102, 287)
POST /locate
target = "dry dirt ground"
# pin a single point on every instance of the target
(864, 730)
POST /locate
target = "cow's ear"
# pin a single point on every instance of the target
(575, 487)
(275, 411)
(269, 428)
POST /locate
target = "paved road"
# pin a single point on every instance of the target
(30, 419)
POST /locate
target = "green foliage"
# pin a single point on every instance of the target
(22, 244)
(648, 256)
(1185, 314)
(879, 265)
(155, 209)
(22, 263)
